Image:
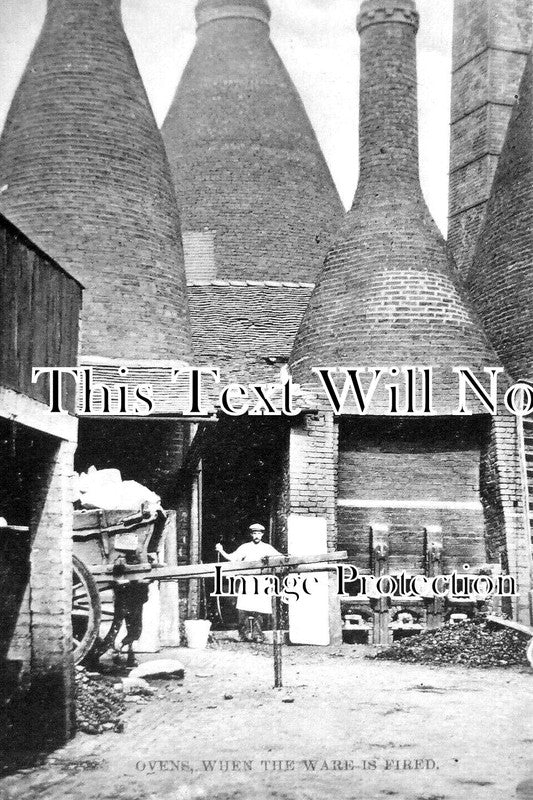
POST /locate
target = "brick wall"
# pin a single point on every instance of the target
(463, 536)
(501, 278)
(199, 254)
(511, 537)
(38, 590)
(460, 474)
(51, 694)
(15, 639)
(23, 454)
(389, 294)
(312, 482)
(490, 42)
(491, 496)
(183, 526)
(432, 465)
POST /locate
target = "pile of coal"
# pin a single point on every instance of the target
(471, 643)
(99, 705)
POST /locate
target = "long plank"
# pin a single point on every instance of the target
(509, 623)
(270, 564)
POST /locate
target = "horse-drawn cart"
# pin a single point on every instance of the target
(116, 557)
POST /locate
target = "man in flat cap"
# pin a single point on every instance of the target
(252, 607)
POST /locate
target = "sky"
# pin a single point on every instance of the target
(317, 40)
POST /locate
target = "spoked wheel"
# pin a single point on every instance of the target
(86, 610)
(108, 631)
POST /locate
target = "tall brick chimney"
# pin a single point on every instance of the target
(85, 175)
(388, 131)
(491, 40)
(501, 277)
(388, 294)
(256, 197)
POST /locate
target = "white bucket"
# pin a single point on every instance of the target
(197, 633)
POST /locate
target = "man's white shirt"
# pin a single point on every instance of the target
(260, 603)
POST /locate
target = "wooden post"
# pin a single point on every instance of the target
(380, 553)
(196, 541)
(271, 564)
(276, 642)
(169, 592)
(434, 546)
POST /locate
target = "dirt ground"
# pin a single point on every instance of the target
(343, 727)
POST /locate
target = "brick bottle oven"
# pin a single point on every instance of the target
(86, 177)
(397, 491)
(256, 197)
(258, 209)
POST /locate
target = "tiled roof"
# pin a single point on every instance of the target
(246, 328)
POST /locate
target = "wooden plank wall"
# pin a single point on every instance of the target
(39, 316)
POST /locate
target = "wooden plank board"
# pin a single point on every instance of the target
(509, 623)
(39, 311)
(24, 353)
(9, 312)
(40, 389)
(4, 319)
(14, 529)
(270, 564)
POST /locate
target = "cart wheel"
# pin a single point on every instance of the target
(86, 610)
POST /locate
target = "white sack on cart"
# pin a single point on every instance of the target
(105, 489)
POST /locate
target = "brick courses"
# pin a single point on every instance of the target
(501, 278)
(389, 294)
(490, 43)
(40, 316)
(255, 182)
(51, 698)
(36, 646)
(383, 461)
(312, 467)
(87, 179)
(504, 497)
(245, 160)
